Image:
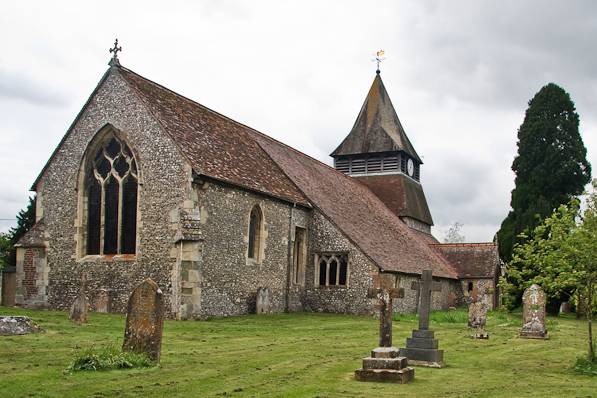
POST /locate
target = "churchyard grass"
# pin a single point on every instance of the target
(293, 355)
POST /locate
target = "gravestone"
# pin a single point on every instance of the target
(145, 320)
(421, 348)
(102, 301)
(17, 325)
(533, 313)
(384, 364)
(263, 304)
(477, 312)
(78, 309)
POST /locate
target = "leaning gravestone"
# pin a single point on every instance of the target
(533, 313)
(477, 312)
(385, 364)
(263, 304)
(145, 320)
(421, 348)
(78, 310)
(17, 325)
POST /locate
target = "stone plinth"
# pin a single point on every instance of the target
(421, 350)
(17, 325)
(385, 365)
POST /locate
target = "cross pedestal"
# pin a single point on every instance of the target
(384, 364)
(421, 348)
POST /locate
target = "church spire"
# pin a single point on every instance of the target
(377, 128)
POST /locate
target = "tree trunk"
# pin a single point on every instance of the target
(589, 311)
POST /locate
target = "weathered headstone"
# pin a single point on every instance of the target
(533, 313)
(384, 364)
(421, 348)
(565, 307)
(145, 320)
(17, 325)
(477, 312)
(102, 301)
(78, 309)
(263, 304)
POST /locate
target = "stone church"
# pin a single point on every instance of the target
(148, 183)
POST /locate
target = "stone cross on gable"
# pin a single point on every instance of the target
(425, 287)
(385, 293)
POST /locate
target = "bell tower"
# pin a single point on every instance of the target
(378, 154)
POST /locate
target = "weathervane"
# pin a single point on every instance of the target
(115, 50)
(379, 59)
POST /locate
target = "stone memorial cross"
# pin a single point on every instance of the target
(425, 287)
(385, 293)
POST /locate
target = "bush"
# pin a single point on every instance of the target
(585, 367)
(107, 358)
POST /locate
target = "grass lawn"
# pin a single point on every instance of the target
(294, 355)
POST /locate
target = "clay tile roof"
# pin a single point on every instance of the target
(34, 237)
(226, 150)
(377, 128)
(358, 213)
(402, 195)
(215, 145)
(471, 260)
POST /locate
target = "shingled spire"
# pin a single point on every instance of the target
(379, 154)
(377, 128)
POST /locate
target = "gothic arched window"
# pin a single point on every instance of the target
(111, 184)
(255, 225)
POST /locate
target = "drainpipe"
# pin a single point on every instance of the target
(289, 254)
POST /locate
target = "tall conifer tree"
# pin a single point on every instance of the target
(551, 165)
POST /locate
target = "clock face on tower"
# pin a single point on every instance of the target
(410, 167)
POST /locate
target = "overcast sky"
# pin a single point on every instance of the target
(460, 74)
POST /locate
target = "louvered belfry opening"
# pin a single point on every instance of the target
(376, 163)
(111, 188)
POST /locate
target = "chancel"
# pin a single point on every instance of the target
(147, 183)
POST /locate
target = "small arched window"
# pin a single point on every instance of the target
(111, 185)
(255, 225)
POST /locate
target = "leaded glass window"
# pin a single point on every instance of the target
(333, 269)
(111, 190)
(254, 233)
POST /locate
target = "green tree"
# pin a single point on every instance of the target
(5, 249)
(550, 167)
(25, 220)
(560, 255)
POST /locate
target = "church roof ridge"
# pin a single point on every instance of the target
(226, 150)
(377, 127)
(305, 174)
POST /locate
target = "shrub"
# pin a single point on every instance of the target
(107, 358)
(586, 367)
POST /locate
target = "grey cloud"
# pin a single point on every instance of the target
(19, 86)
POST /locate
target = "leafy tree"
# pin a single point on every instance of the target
(453, 235)
(5, 249)
(550, 167)
(25, 221)
(560, 255)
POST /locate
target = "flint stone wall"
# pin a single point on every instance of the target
(228, 278)
(164, 184)
(325, 237)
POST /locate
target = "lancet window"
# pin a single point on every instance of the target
(332, 269)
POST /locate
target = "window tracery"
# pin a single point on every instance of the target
(111, 189)
(333, 269)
